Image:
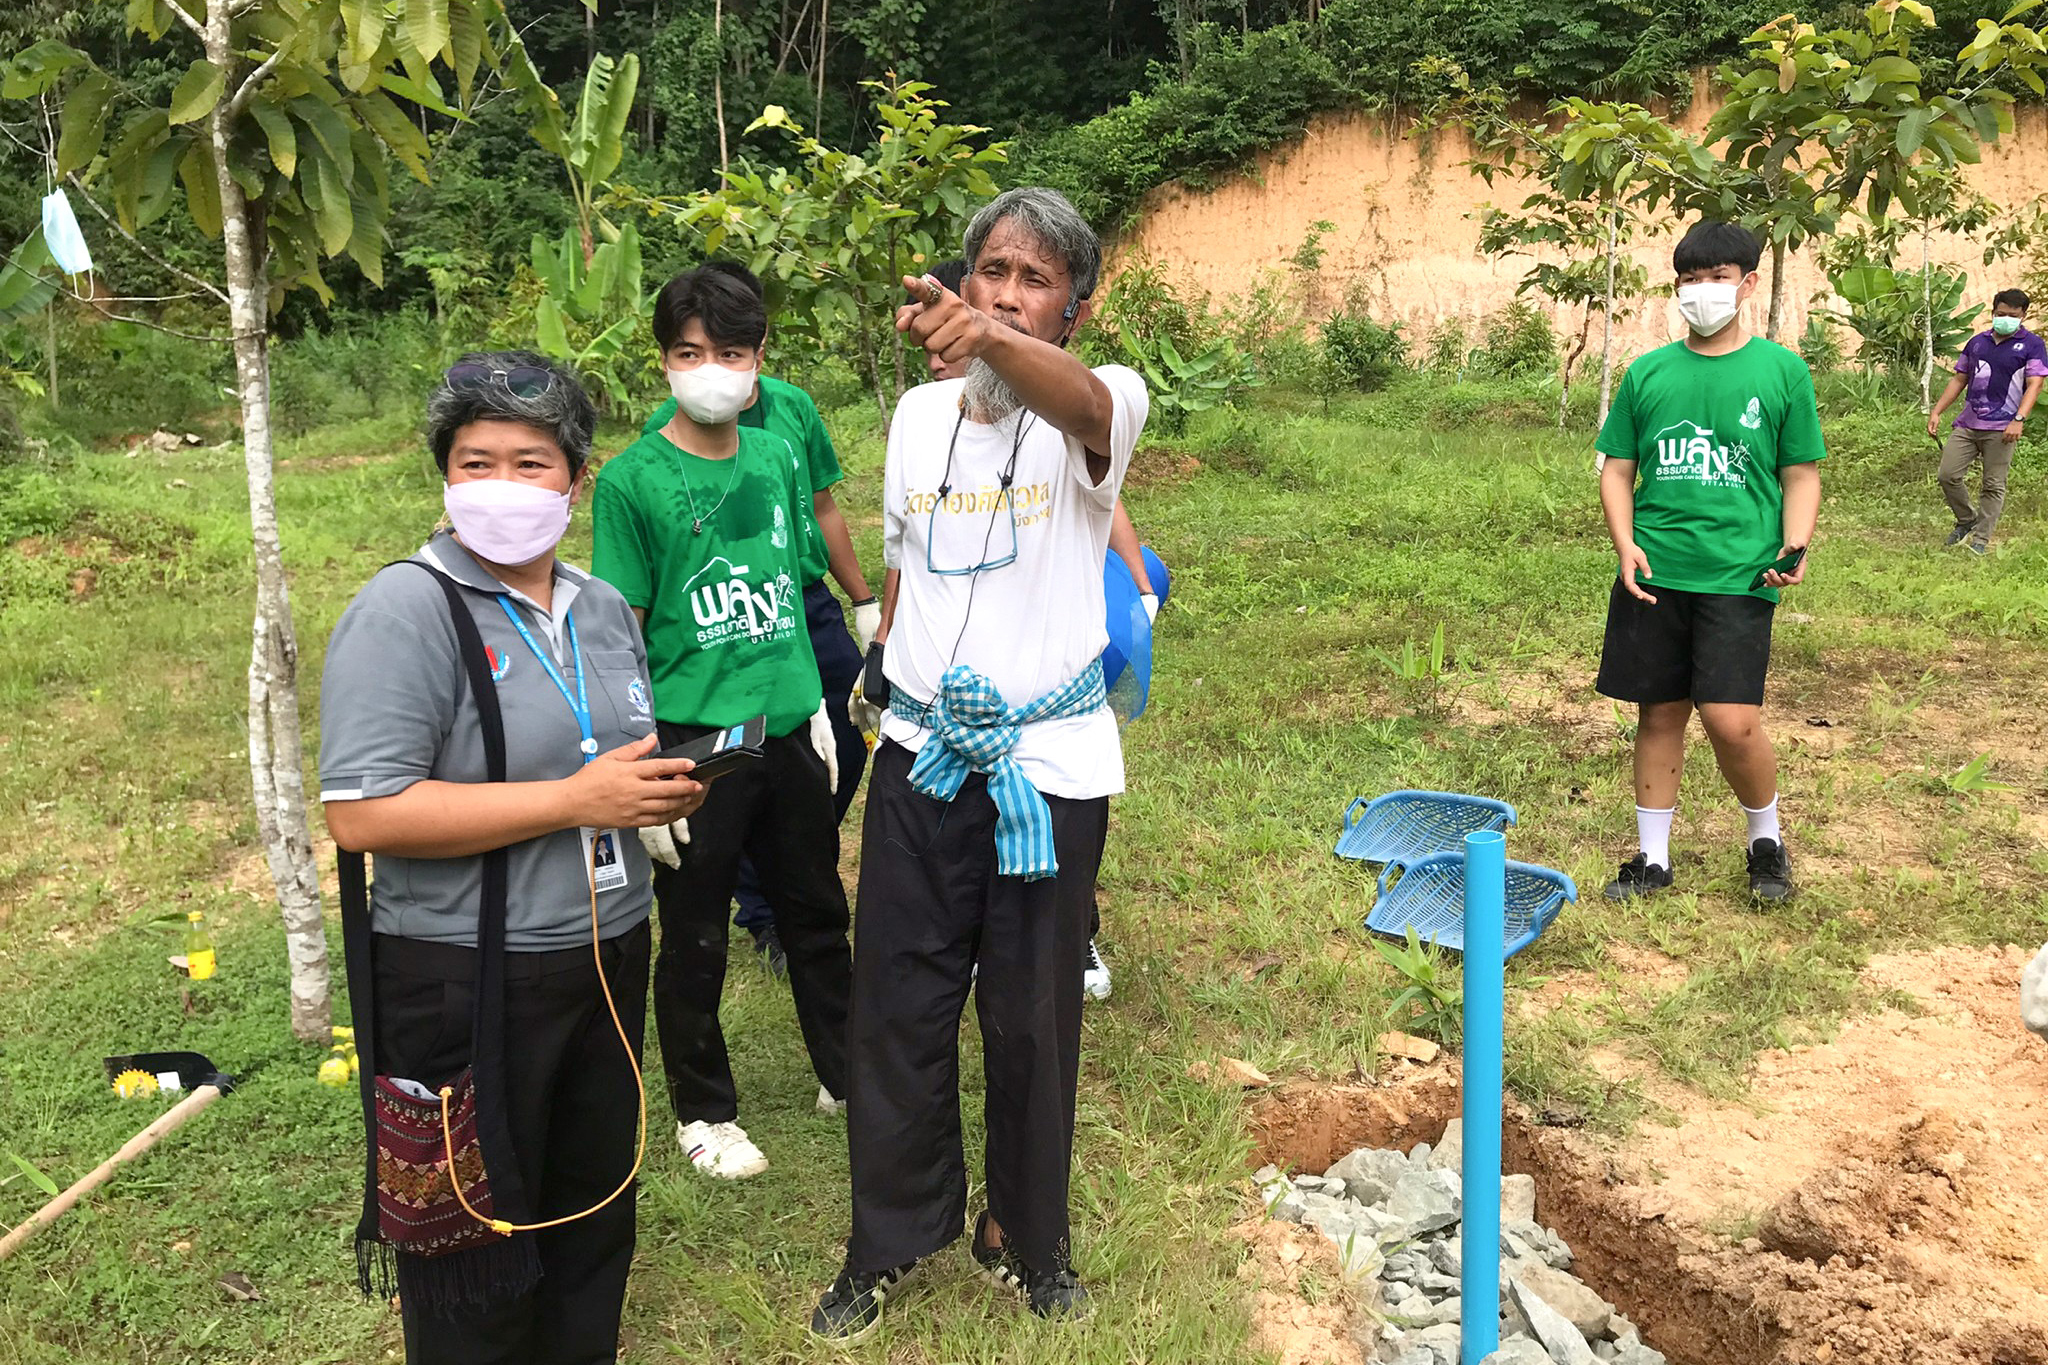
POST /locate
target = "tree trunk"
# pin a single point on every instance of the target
(1777, 314)
(1571, 363)
(590, 32)
(718, 83)
(55, 405)
(824, 34)
(871, 369)
(1926, 324)
(1607, 319)
(276, 755)
(895, 339)
(787, 31)
(653, 32)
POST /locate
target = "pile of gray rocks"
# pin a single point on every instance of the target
(1394, 1219)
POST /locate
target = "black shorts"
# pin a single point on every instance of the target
(1700, 647)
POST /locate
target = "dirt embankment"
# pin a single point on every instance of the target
(1405, 212)
(1881, 1199)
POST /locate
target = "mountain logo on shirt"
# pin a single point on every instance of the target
(726, 604)
(1689, 452)
(1754, 417)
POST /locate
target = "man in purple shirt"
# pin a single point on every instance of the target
(2002, 369)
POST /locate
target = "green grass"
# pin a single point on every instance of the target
(1309, 551)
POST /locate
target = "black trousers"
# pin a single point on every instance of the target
(839, 665)
(931, 906)
(572, 1117)
(779, 813)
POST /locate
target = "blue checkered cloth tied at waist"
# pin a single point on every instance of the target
(975, 730)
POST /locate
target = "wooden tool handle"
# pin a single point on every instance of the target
(100, 1174)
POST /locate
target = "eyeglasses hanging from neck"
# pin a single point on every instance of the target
(1005, 504)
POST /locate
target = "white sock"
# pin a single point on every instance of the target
(1763, 824)
(1653, 832)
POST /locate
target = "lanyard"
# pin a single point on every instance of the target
(579, 705)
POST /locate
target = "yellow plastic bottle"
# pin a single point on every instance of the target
(198, 947)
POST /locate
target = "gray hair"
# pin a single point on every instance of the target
(563, 410)
(1059, 228)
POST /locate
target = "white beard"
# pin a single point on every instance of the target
(989, 396)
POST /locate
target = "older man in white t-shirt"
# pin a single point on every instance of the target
(989, 797)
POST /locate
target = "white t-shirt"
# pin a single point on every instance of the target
(1034, 623)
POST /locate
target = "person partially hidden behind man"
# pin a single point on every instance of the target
(988, 802)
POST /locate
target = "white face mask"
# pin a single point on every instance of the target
(506, 521)
(711, 394)
(1708, 307)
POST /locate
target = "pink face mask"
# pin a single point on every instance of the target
(506, 521)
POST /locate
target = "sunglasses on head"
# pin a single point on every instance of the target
(521, 381)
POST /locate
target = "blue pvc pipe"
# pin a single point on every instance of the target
(1485, 1000)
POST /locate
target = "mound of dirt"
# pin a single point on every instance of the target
(1293, 1323)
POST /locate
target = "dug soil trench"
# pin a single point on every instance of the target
(1881, 1199)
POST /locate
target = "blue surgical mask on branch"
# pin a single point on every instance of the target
(2005, 327)
(61, 235)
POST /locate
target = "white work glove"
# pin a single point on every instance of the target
(826, 744)
(2034, 994)
(867, 621)
(865, 715)
(660, 842)
(1150, 602)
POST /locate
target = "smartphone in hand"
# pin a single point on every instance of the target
(719, 752)
(1783, 564)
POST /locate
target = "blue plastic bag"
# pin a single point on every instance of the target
(1127, 663)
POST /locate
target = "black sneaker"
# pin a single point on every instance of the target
(1638, 877)
(1048, 1294)
(768, 944)
(1978, 546)
(1959, 535)
(1770, 871)
(852, 1307)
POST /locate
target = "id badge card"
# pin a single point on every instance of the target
(601, 854)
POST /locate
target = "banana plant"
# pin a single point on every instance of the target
(594, 309)
(593, 141)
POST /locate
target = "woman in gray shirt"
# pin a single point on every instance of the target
(405, 776)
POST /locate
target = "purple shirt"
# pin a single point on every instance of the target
(1998, 371)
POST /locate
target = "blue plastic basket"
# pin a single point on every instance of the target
(1430, 898)
(1404, 826)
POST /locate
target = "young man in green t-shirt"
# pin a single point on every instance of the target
(784, 410)
(1711, 491)
(705, 527)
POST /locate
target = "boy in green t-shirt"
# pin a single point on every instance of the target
(1724, 431)
(784, 410)
(705, 527)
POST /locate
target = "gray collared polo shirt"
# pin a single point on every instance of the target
(396, 708)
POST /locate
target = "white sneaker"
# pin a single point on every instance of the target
(721, 1150)
(829, 1104)
(1095, 981)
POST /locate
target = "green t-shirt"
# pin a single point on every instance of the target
(725, 632)
(1709, 435)
(787, 411)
